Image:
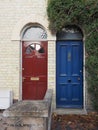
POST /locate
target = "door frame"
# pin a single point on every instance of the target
(20, 72)
(84, 76)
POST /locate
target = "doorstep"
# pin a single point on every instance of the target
(62, 111)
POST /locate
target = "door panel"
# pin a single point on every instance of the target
(63, 63)
(28, 89)
(69, 90)
(34, 70)
(40, 90)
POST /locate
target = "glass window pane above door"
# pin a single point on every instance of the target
(34, 33)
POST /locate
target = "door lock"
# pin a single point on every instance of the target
(69, 80)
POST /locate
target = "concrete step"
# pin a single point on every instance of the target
(62, 111)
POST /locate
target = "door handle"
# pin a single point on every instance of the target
(69, 80)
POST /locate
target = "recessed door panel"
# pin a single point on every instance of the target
(63, 61)
(69, 79)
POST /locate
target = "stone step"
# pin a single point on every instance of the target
(62, 111)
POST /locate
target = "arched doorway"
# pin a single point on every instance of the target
(69, 69)
(34, 63)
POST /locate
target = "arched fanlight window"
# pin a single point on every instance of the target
(70, 32)
(34, 33)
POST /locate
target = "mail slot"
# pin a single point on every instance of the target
(34, 78)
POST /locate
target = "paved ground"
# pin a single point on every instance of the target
(68, 122)
(1, 123)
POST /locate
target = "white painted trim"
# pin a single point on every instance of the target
(20, 76)
(84, 83)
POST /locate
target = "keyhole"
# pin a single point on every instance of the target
(69, 80)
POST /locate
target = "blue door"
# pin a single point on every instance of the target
(69, 74)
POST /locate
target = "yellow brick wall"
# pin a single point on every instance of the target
(52, 68)
(14, 15)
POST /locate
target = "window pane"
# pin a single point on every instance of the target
(35, 33)
(28, 50)
(70, 32)
(41, 50)
(38, 47)
(32, 46)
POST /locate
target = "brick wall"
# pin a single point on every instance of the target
(14, 16)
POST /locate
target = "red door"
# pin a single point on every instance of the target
(34, 70)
